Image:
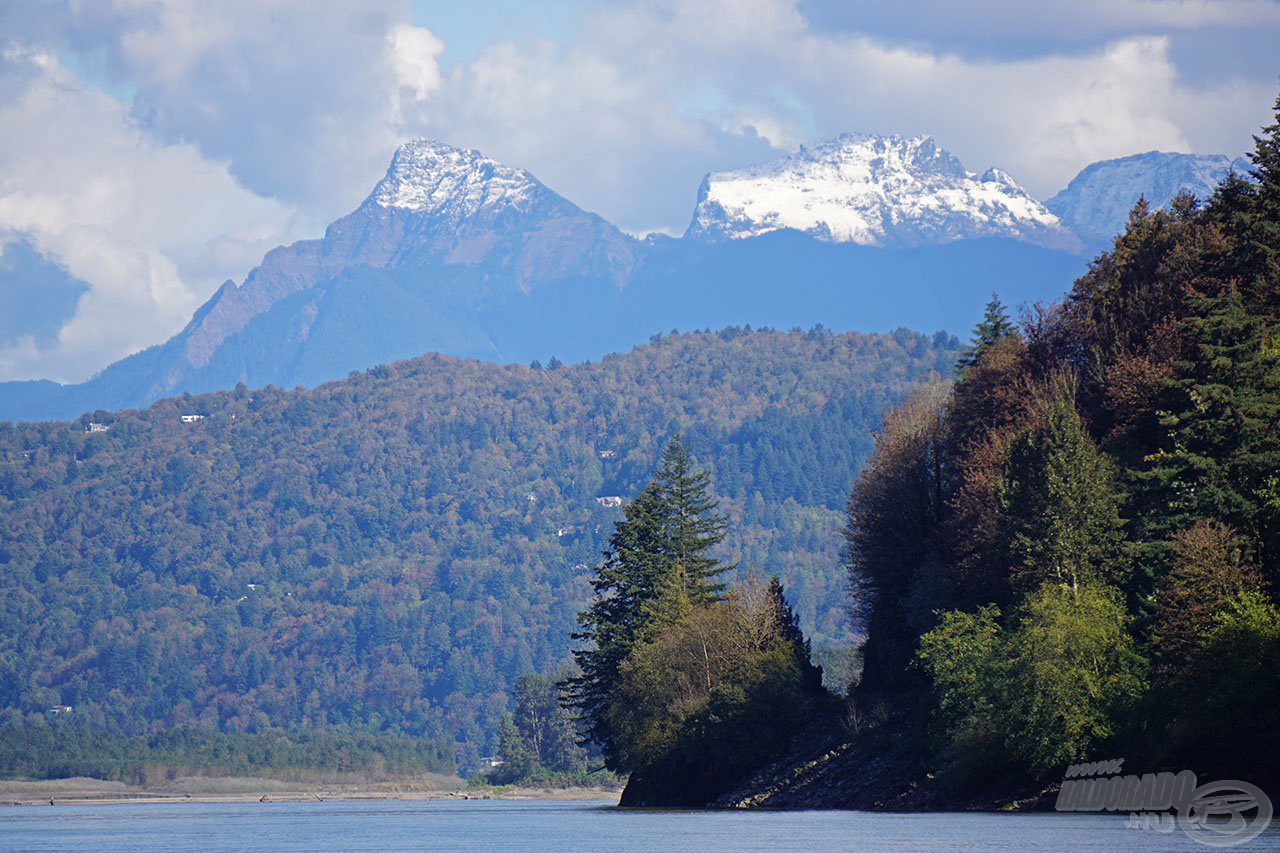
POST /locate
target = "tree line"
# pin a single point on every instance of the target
(1072, 550)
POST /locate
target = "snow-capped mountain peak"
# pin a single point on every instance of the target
(433, 179)
(873, 190)
(1097, 202)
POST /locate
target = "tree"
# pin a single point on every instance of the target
(518, 759)
(892, 515)
(711, 697)
(693, 527)
(963, 657)
(1236, 680)
(1209, 570)
(1073, 672)
(658, 558)
(1219, 449)
(994, 327)
(1058, 503)
(1046, 692)
(539, 739)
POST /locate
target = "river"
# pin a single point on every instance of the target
(497, 825)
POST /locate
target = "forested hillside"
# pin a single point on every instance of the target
(1073, 551)
(390, 552)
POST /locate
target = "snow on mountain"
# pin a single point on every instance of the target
(1097, 202)
(451, 184)
(873, 190)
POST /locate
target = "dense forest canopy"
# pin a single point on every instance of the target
(1073, 549)
(389, 553)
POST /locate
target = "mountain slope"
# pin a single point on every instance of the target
(872, 190)
(1096, 203)
(450, 252)
(389, 552)
(453, 252)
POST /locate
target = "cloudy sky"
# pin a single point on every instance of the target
(151, 149)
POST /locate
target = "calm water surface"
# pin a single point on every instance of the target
(495, 825)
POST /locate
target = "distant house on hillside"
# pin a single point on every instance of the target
(190, 419)
(58, 710)
(609, 500)
(563, 531)
(96, 427)
(491, 761)
(608, 454)
(530, 497)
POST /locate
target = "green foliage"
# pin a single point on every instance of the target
(681, 683)
(1219, 447)
(401, 581)
(994, 327)
(1107, 480)
(1073, 672)
(712, 697)
(1046, 692)
(61, 749)
(657, 567)
(1058, 504)
(538, 743)
(1232, 676)
(963, 657)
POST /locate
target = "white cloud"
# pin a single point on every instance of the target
(699, 81)
(247, 122)
(151, 228)
(298, 98)
(415, 58)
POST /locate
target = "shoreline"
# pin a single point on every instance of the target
(73, 792)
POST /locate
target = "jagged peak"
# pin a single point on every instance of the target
(431, 177)
(875, 190)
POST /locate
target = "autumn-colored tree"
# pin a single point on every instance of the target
(893, 514)
(1208, 570)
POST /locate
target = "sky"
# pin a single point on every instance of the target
(152, 149)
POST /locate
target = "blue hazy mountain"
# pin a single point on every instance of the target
(1096, 203)
(453, 252)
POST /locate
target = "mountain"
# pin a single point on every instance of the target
(389, 552)
(456, 253)
(451, 252)
(874, 191)
(1096, 203)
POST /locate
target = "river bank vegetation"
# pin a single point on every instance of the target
(1073, 550)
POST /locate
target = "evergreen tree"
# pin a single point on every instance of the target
(994, 327)
(693, 528)
(1259, 235)
(787, 625)
(518, 760)
(1058, 504)
(657, 563)
(1221, 444)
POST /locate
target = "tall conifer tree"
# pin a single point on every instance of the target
(664, 537)
(994, 327)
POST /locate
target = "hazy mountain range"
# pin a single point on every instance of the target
(453, 252)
